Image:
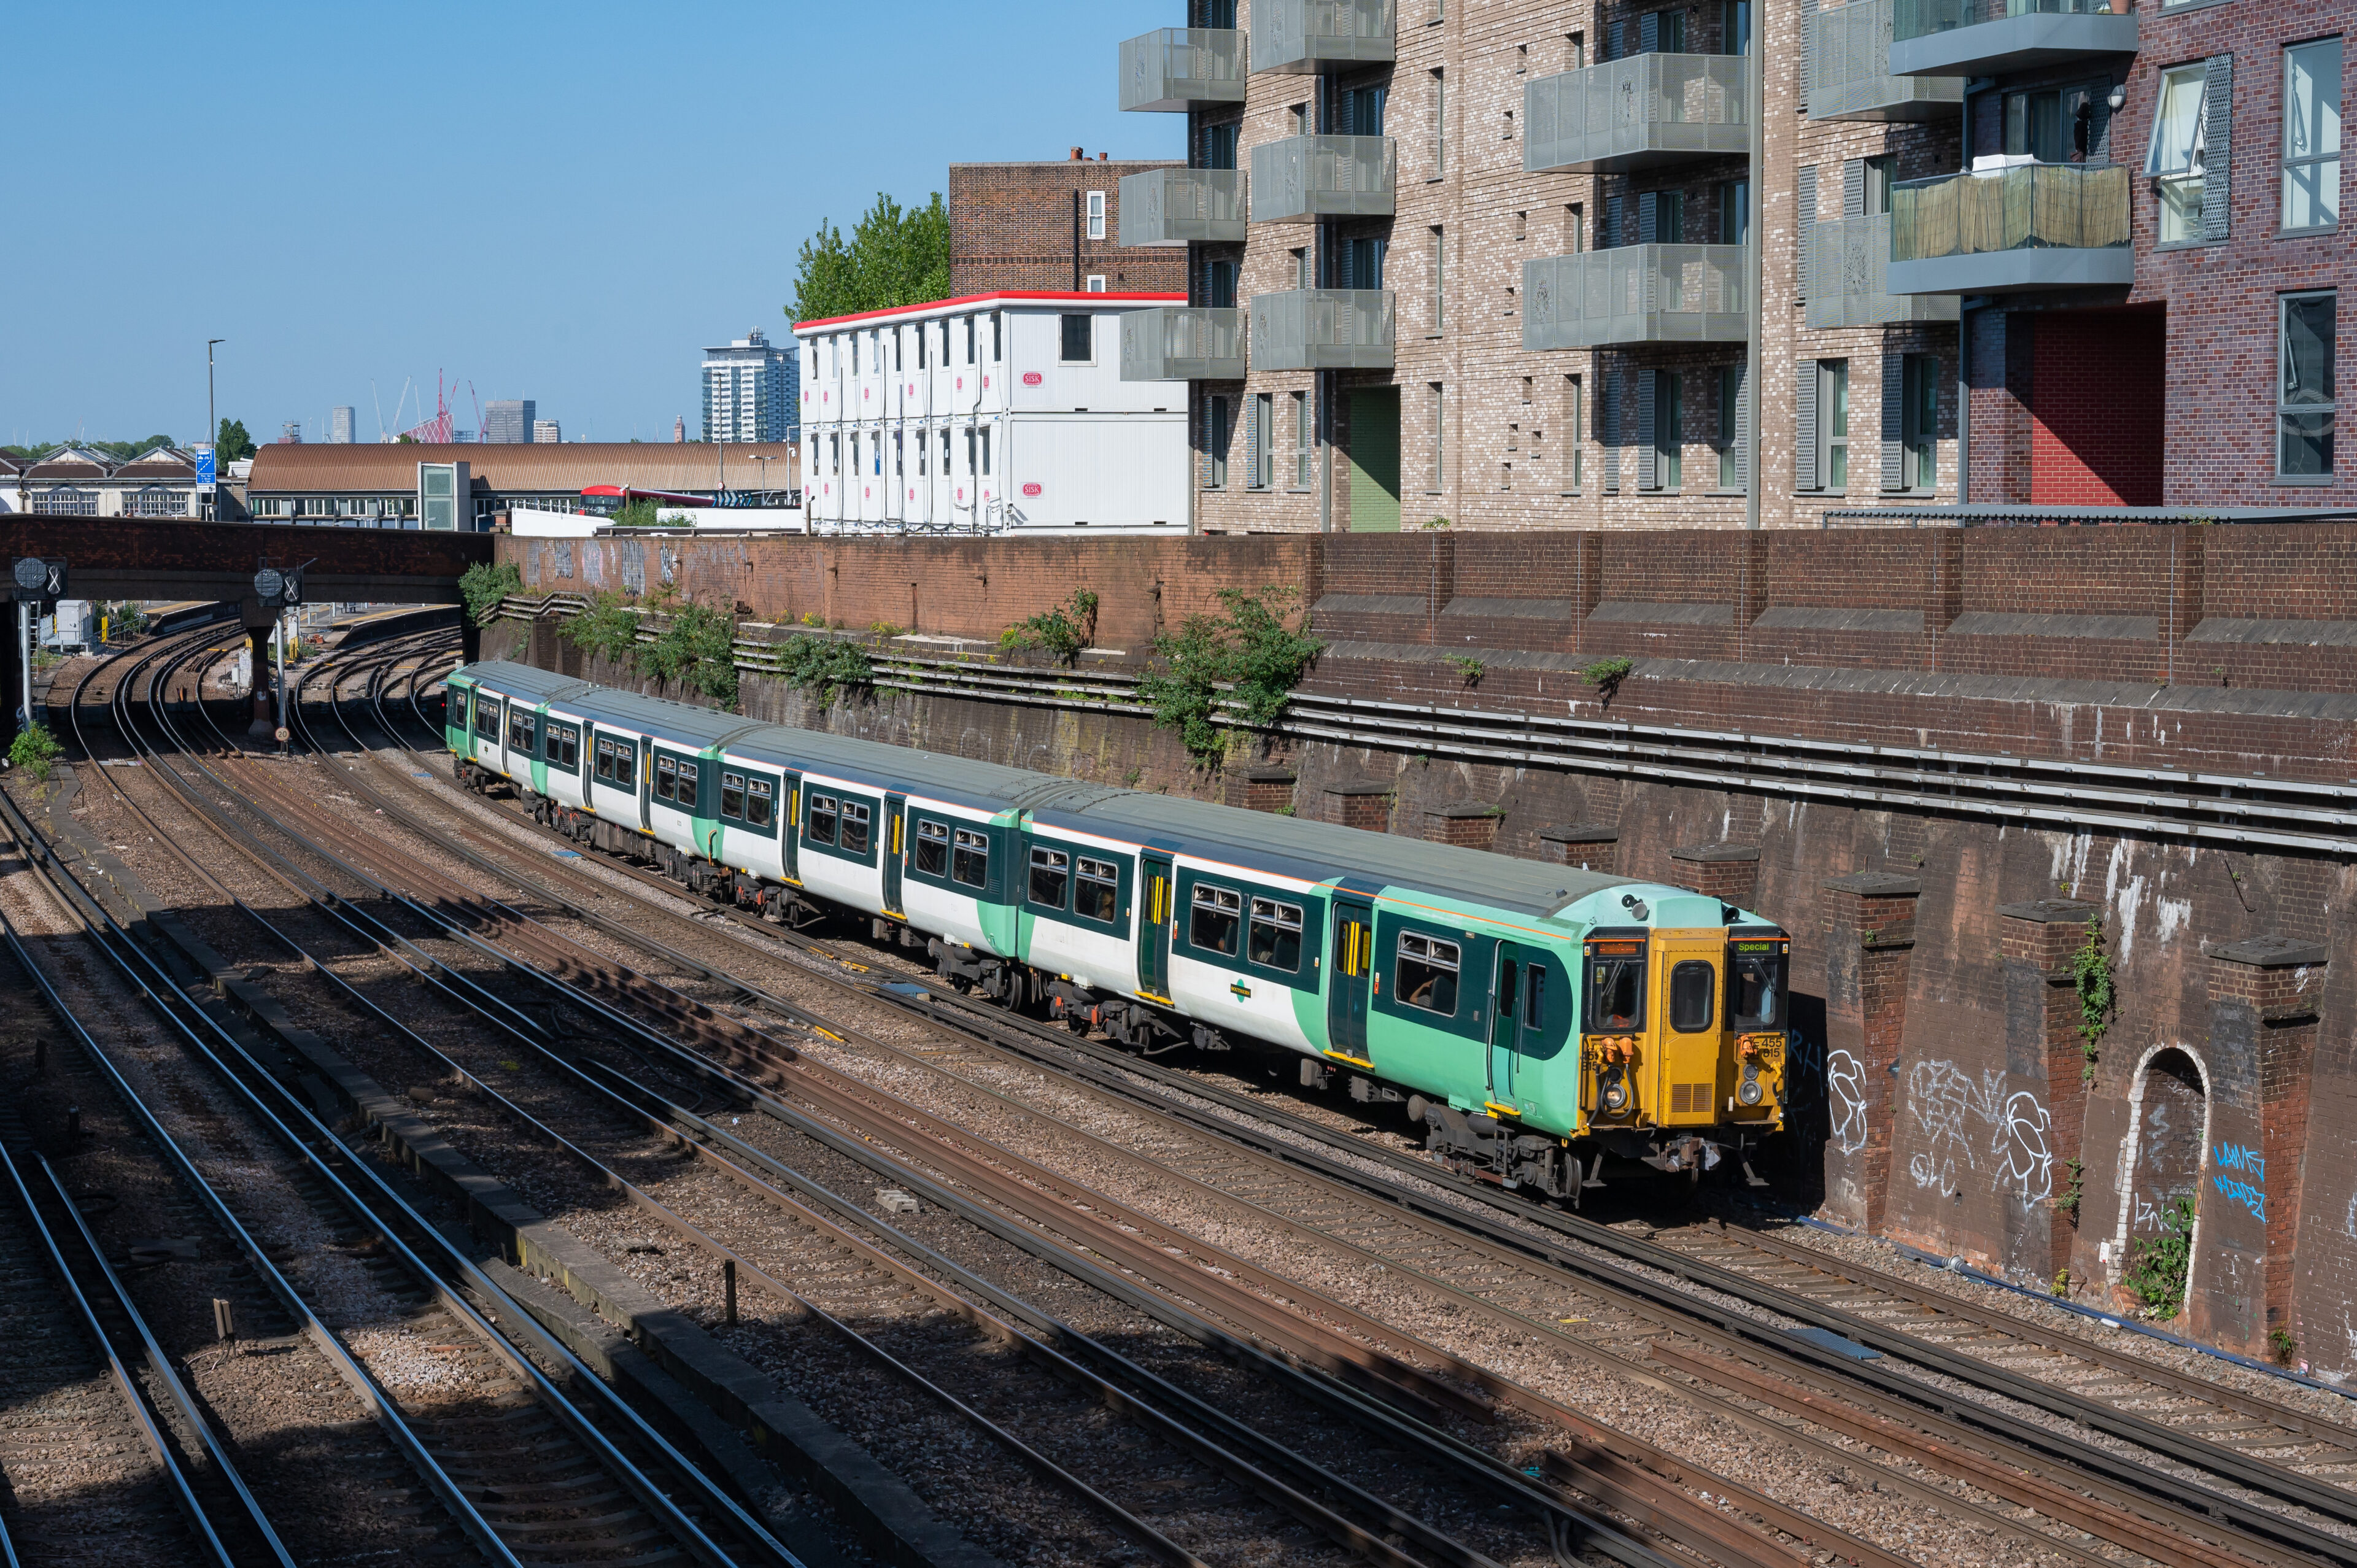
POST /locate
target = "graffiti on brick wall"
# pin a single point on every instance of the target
(2242, 1177)
(1845, 1100)
(1960, 1118)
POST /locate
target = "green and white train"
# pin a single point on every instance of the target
(1535, 1019)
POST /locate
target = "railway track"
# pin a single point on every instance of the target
(2132, 1486)
(1390, 1519)
(524, 1470)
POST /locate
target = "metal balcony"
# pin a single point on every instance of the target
(1299, 38)
(2012, 231)
(1322, 330)
(1638, 113)
(1174, 205)
(1178, 68)
(1989, 37)
(1303, 179)
(1635, 293)
(1848, 278)
(1182, 343)
(1849, 70)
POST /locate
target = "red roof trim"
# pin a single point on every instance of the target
(1018, 295)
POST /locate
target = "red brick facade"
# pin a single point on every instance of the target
(2097, 395)
(1011, 227)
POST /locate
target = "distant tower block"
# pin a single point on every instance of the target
(291, 432)
(508, 422)
(679, 429)
(340, 425)
(545, 433)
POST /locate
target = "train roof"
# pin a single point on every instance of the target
(1314, 850)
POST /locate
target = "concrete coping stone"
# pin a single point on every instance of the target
(1360, 786)
(1717, 853)
(2051, 911)
(1465, 810)
(1269, 776)
(1580, 832)
(1878, 884)
(2271, 952)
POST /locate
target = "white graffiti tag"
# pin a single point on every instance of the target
(1945, 1106)
(1845, 1093)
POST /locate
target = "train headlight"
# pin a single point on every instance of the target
(1750, 1093)
(1751, 1071)
(1615, 1096)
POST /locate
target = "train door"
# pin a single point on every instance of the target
(1354, 972)
(1153, 926)
(790, 829)
(646, 782)
(1691, 983)
(1518, 1020)
(896, 812)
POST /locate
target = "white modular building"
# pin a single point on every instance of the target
(990, 414)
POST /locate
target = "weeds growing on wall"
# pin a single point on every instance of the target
(2157, 1265)
(1606, 675)
(822, 666)
(2091, 968)
(33, 750)
(698, 649)
(483, 585)
(1250, 650)
(1473, 669)
(2067, 1200)
(609, 627)
(1063, 631)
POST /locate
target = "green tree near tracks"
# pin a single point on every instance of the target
(1251, 652)
(696, 648)
(33, 750)
(897, 255)
(484, 586)
(607, 629)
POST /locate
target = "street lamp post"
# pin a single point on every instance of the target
(212, 432)
(765, 460)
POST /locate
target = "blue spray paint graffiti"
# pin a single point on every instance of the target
(2250, 1188)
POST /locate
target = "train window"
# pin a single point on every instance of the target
(604, 764)
(520, 728)
(487, 716)
(686, 797)
(1756, 987)
(1098, 892)
(1616, 991)
(1050, 869)
(855, 817)
(759, 795)
(1693, 1000)
(1535, 997)
(970, 861)
(732, 795)
(1426, 974)
(932, 848)
(822, 819)
(666, 779)
(1276, 934)
(1217, 916)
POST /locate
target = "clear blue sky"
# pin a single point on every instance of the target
(559, 202)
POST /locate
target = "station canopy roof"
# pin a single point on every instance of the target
(546, 468)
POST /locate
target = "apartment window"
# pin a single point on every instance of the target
(1439, 279)
(1832, 424)
(1670, 217)
(1300, 441)
(1671, 31)
(1079, 347)
(1526, 389)
(1300, 114)
(1669, 428)
(2304, 399)
(1096, 283)
(2175, 157)
(1733, 198)
(1575, 229)
(1734, 26)
(2311, 169)
(1731, 406)
(1573, 429)
(1217, 147)
(1220, 285)
(1574, 51)
(1439, 125)
(1358, 111)
(1218, 421)
(1301, 268)
(1260, 411)
(1522, 225)
(1878, 172)
(1918, 423)
(1096, 215)
(1522, 59)
(1438, 401)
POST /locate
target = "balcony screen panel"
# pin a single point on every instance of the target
(1849, 266)
(1174, 68)
(1174, 205)
(1298, 35)
(1635, 293)
(1849, 70)
(1323, 328)
(1182, 343)
(1631, 114)
(1302, 177)
(2034, 206)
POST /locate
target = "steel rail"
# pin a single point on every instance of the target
(390, 1221)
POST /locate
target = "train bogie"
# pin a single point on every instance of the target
(1535, 1019)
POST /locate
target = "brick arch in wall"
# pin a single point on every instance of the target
(2098, 400)
(2160, 1158)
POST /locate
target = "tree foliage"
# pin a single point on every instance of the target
(2157, 1266)
(1251, 652)
(824, 666)
(33, 750)
(609, 627)
(231, 442)
(896, 256)
(483, 585)
(696, 648)
(1063, 631)
(37, 450)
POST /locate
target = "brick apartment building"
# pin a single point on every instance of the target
(1488, 260)
(1051, 226)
